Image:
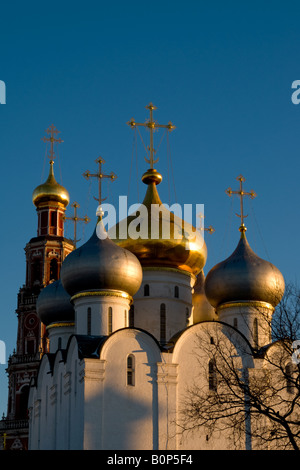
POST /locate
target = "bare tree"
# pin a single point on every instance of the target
(252, 394)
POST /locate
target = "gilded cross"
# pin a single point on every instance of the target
(152, 126)
(99, 175)
(52, 131)
(241, 193)
(75, 219)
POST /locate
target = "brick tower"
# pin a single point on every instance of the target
(44, 256)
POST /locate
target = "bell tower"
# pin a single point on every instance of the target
(44, 256)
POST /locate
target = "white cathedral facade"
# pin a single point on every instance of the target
(126, 323)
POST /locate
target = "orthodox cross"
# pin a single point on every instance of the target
(52, 131)
(152, 126)
(99, 175)
(241, 193)
(209, 229)
(75, 219)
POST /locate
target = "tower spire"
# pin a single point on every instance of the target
(152, 126)
(241, 193)
(99, 176)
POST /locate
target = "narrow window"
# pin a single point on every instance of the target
(59, 343)
(255, 332)
(212, 376)
(125, 318)
(36, 271)
(187, 316)
(53, 270)
(89, 321)
(44, 219)
(109, 320)
(176, 292)
(235, 322)
(130, 370)
(146, 290)
(53, 223)
(131, 316)
(163, 323)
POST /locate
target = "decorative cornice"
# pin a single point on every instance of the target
(246, 303)
(102, 293)
(174, 270)
(59, 325)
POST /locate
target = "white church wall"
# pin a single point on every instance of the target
(98, 307)
(193, 358)
(163, 284)
(130, 412)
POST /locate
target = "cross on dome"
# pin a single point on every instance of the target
(52, 131)
(75, 219)
(99, 176)
(152, 126)
(241, 193)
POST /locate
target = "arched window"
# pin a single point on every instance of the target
(163, 323)
(131, 316)
(146, 290)
(289, 378)
(131, 370)
(36, 271)
(21, 411)
(212, 375)
(53, 269)
(176, 292)
(110, 320)
(255, 332)
(89, 321)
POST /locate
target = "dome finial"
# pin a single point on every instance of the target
(241, 193)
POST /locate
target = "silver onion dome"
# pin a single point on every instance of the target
(244, 277)
(100, 264)
(53, 304)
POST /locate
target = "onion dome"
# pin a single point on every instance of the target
(203, 310)
(100, 264)
(244, 277)
(161, 242)
(50, 190)
(53, 304)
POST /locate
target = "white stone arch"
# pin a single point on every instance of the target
(148, 342)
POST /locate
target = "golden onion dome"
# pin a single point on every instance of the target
(161, 242)
(244, 277)
(51, 190)
(100, 264)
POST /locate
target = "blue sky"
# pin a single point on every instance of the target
(221, 72)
